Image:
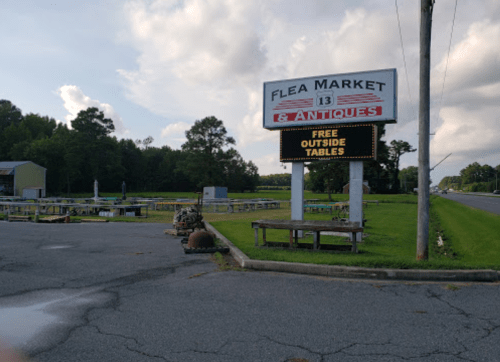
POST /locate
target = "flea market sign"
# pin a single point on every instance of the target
(338, 142)
(332, 99)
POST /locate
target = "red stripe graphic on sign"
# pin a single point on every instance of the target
(358, 98)
(296, 103)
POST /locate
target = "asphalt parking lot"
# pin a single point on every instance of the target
(127, 292)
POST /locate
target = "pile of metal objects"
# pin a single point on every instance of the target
(188, 221)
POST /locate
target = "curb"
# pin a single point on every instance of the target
(336, 271)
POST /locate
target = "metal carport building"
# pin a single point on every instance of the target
(22, 178)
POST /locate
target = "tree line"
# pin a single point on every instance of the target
(75, 157)
(473, 178)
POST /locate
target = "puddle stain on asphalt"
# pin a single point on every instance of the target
(22, 317)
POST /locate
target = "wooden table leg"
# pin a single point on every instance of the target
(354, 247)
(256, 236)
(316, 240)
(264, 236)
(291, 238)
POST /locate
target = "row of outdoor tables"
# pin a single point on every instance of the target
(27, 208)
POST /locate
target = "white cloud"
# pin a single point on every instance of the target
(198, 41)
(270, 164)
(175, 129)
(475, 61)
(75, 101)
(470, 116)
(175, 133)
(364, 41)
(468, 134)
(210, 57)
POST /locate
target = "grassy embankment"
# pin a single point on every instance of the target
(471, 237)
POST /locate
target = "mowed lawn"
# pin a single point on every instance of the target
(474, 235)
(391, 237)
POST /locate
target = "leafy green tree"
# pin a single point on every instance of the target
(10, 120)
(329, 175)
(408, 178)
(92, 154)
(134, 165)
(397, 149)
(14, 140)
(39, 127)
(279, 179)
(92, 124)
(240, 175)
(9, 114)
(471, 173)
(205, 154)
(17, 137)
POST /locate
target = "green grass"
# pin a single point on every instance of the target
(391, 240)
(473, 235)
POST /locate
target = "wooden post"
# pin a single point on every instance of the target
(423, 130)
(298, 192)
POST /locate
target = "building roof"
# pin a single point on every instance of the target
(13, 164)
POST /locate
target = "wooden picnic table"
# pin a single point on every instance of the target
(318, 207)
(176, 205)
(316, 226)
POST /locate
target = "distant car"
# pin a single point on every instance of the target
(496, 192)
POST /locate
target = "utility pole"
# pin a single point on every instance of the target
(426, 7)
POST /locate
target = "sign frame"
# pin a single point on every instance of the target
(360, 97)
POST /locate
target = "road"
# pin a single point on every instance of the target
(491, 204)
(127, 292)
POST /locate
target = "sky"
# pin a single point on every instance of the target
(156, 66)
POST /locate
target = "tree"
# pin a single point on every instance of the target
(471, 173)
(240, 175)
(92, 124)
(397, 149)
(332, 175)
(408, 178)
(9, 114)
(279, 179)
(205, 154)
(10, 119)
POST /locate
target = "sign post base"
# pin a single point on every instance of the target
(298, 193)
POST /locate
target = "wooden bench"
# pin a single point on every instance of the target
(19, 218)
(316, 226)
(53, 219)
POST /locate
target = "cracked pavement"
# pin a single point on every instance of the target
(127, 292)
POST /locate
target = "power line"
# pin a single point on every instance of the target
(448, 57)
(404, 57)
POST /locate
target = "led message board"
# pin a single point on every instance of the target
(341, 142)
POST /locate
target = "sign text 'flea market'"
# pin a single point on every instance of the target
(342, 98)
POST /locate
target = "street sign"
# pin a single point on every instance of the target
(332, 99)
(341, 142)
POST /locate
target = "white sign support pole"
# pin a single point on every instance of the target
(356, 194)
(96, 190)
(298, 192)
